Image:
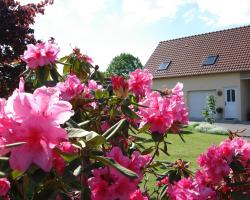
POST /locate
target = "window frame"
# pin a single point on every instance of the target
(166, 64)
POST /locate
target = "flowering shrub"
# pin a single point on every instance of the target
(79, 136)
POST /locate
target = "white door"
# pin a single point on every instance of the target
(197, 102)
(230, 95)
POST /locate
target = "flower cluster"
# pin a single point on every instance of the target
(186, 188)
(40, 54)
(73, 89)
(219, 166)
(162, 113)
(70, 88)
(108, 183)
(140, 82)
(33, 119)
(216, 162)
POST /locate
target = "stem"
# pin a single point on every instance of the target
(156, 150)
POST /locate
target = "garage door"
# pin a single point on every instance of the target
(197, 102)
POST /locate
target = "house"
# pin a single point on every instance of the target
(216, 63)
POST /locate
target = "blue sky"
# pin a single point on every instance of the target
(106, 28)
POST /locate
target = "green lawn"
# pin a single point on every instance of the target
(196, 143)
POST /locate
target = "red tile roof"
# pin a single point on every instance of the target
(188, 53)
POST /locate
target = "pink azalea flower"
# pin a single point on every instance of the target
(105, 126)
(4, 187)
(40, 54)
(40, 136)
(82, 57)
(34, 119)
(213, 166)
(180, 112)
(92, 85)
(58, 162)
(71, 88)
(158, 112)
(3, 149)
(108, 183)
(140, 82)
(236, 147)
(137, 195)
(120, 86)
(186, 188)
(162, 182)
(43, 102)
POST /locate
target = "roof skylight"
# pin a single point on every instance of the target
(211, 60)
(164, 65)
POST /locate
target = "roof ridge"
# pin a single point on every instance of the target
(200, 34)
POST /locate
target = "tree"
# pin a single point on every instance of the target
(123, 64)
(15, 34)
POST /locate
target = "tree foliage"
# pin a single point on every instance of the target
(15, 34)
(123, 64)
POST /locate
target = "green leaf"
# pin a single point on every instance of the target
(66, 156)
(71, 123)
(82, 74)
(63, 59)
(76, 66)
(4, 158)
(116, 129)
(129, 113)
(98, 94)
(77, 171)
(100, 76)
(112, 128)
(144, 129)
(182, 138)
(54, 74)
(16, 174)
(14, 144)
(42, 74)
(148, 150)
(81, 144)
(83, 123)
(78, 133)
(2, 174)
(66, 69)
(110, 162)
(47, 191)
(94, 139)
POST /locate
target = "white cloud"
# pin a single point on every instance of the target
(222, 12)
(225, 12)
(189, 16)
(149, 11)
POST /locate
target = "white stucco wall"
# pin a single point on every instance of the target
(206, 82)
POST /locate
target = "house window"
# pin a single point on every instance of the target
(231, 95)
(211, 59)
(164, 65)
(228, 95)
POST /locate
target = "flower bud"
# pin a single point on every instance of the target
(120, 86)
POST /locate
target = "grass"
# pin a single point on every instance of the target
(196, 143)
